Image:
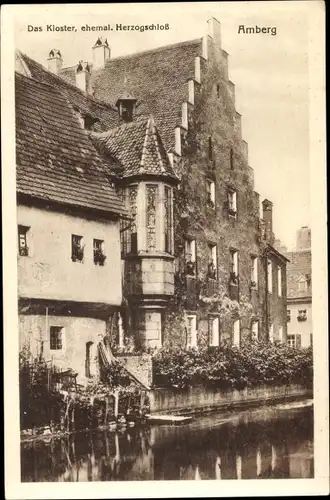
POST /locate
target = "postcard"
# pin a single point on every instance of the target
(164, 214)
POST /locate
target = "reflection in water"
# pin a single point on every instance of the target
(265, 443)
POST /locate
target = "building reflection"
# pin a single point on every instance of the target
(247, 449)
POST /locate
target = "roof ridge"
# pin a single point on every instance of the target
(156, 49)
(70, 85)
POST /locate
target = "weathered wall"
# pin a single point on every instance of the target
(197, 399)
(214, 116)
(140, 366)
(48, 271)
(76, 333)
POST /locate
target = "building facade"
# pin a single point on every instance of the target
(299, 279)
(68, 216)
(198, 263)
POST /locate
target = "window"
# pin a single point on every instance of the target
(255, 330)
(280, 333)
(311, 339)
(254, 272)
(152, 200)
(270, 276)
(214, 331)
(302, 285)
(271, 332)
(56, 338)
(294, 340)
(210, 151)
(288, 315)
(236, 333)
(218, 90)
(279, 281)
(77, 248)
(23, 249)
(234, 267)
(213, 262)
(191, 330)
(168, 220)
(210, 186)
(89, 122)
(128, 229)
(302, 315)
(190, 257)
(98, 252)
(231, 159)
(232, 203)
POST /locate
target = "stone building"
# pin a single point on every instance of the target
(299, 283)
(199, 264)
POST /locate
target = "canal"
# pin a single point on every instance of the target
(271, 442)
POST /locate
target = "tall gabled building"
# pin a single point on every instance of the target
(199, 264)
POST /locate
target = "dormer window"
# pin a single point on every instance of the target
(126, 105)
(302, 284)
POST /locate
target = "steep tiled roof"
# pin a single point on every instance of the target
(56, 160)
(106, 113)
(137, 146)
(157, 79)
(299, 267)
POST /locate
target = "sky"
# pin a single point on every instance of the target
(270, 73)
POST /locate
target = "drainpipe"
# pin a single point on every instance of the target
(267, 294)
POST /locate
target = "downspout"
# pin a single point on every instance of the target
(267, 294)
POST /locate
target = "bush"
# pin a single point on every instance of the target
(226, 367)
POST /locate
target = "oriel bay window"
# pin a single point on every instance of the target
(129, 229)
(168, 219)
(151, 226)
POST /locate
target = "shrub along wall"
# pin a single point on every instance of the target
(226, 367)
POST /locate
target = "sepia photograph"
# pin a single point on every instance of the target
(162, 210)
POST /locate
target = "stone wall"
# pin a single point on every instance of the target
(139, 366)
(213, 121)
(199, 399)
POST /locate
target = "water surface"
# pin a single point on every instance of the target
(271, 442)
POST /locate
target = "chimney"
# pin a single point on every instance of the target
(267, 216)
(55, 61)
(101, 53)
(304, 239)
(214, 30)
(83, 75)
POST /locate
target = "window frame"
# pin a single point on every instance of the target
(234, 266)
(99, 256)
(232, 203)
(269, 276)
(236, 332)
(77, 251)
(210, 191)
(22, 231)
(211, 321)
(279, 281)
(191, 338)
(59, 329)
(254, 272)
(191, 264)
